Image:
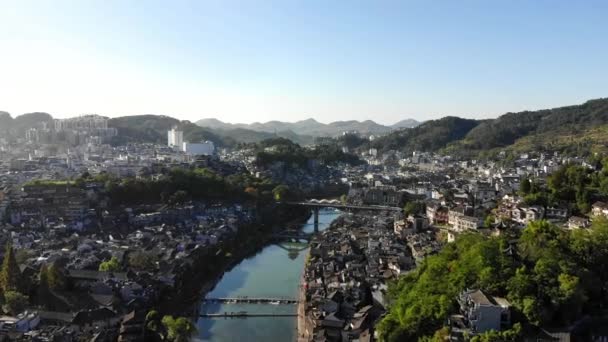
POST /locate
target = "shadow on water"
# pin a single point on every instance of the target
(231, 282)
(273, 272)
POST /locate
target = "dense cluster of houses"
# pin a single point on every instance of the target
(75, 228)
(345, 278)
(313, 178)
(150, 256)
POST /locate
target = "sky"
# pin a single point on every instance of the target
(247, 61)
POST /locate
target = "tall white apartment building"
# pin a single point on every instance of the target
(175, 138)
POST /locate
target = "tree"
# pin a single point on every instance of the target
(489, 221)
(536, 198)
(15, 302)
(56, 279)
(280, 192)
(143, 260)
(178, 329)
(538, 238)
(10, 274)
(414, 208)
(178, 198)
(44, 289)
(21, 255)
(43, 281)
(152, 322)
(448, 194)
(111, 265)
(513, 334)
(525, 186)
(152, 317)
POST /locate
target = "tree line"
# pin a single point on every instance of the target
(551, 276)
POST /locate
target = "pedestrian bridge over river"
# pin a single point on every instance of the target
(251, 300)
(316, 205)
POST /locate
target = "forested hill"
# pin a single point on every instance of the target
(506, 129)
(560, 128)
(578, 129)
(23, 122)
(153, 129)
(429, 136)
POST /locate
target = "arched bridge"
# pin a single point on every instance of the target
(315, 205)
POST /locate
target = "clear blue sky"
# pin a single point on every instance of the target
(245, 61)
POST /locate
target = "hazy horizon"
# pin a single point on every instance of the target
(379, 121)
(244, 62)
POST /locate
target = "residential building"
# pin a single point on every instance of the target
(464, 223)
(576, 222)
(437, 213)
(480, 313)
(203, 148)
(599, 209)
(175, 138)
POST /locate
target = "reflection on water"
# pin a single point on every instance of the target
(274, 272)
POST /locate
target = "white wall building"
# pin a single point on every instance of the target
(175, 138)
(203, 148)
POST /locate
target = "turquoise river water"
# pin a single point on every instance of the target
(273, 272)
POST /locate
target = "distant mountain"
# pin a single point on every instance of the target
(153, 129)
(243, 135)
(6, 122)
(407, 123)
(214, 123)
(311, 127)
(578, 129)
(37, 119)
(21, 123)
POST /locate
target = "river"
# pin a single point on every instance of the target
(273, 272)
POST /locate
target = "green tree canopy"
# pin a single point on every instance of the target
(525, 186)
(56, 278)
(414, 208)
(178, 329)
(143, 260)
(111, 265)
(15, 302)
(10, 273)
(554, 277)
(280, 192)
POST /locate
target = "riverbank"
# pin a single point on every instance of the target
(302, 334)
(275, 272)
(207, 266)
(348, 252)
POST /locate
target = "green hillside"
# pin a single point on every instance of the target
(577, 129)
(153, 129)
(429, 136)
(510, 127)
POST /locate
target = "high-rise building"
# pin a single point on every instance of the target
(175, 138)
